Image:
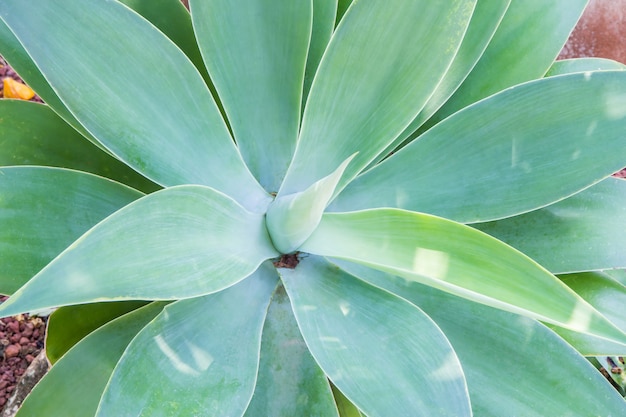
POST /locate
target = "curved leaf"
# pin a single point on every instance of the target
(12, 50)
(173, 19)
(569, 66)
(372, 81)
(189, 145)
(324, 13)
(289, 381)
(359, 346)
(292, 218)
(516, 155)
(513, 365)
(589, 226)
(608, 297)
(73, 386)
(456, 259)
(528, 40)
(32, 134)
(69, 325)
(210, 343)
(43, 210)
(485, 20)
(181, 242)
(262, 105)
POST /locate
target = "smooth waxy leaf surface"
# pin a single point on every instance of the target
(569, 66)
(263, 104)
(485, 20)
(189, 145)
(16, 55)
(74, 385)
(181, 242)
(43, 210)
(69, 325)
(324, 13)
(511, 363)
(589, 227)
(607, 296)
(289, 382)
(373, 81)
(457, 259)
(359, 348)
(199, 357)
(32, 134)
(516, 156)
(292, 218)
(527, 41)
(345, 407)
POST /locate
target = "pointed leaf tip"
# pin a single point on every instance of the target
(292, 218)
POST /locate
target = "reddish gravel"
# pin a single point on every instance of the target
(21, 340)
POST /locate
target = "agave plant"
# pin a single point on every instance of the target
(314, 207)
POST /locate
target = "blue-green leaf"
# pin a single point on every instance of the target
(378, 71)
(43, 210)
(189, 145)
(256, 53)
(513, 365)
(290, 383)
(569, 66)
(181, 242)
(74, 385)
(359, 346)
(457, 259)
(517, 156)
(589, 227)
(528, 40)
(199, 357)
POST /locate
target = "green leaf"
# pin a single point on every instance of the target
(73, 386)
(589, 227)
(181, 242)
(12, 50)
(289, 381)
(43, 210)
(342, 7)
(32, 134)
(608, 297)
(516, 155)
(345, 407)
(324, 13)
(189, 145)
(359, 347)
(292, 218)
(199, 357)
(173, 19)
(528, 40)
(372, 81)
(485, 20)
(69, 325)
(511, 363)
(618, 275)
(457, 259)
(256, 54)
(569, 66)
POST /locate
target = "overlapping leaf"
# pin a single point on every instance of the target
(199, 357)
(373, 81)
(584, 232)
(74, 385)
(358, 347)
(188, 146)
(36, 221)
(181, 242)
(511, 363)
(289, 383)
(506, 155)
(256, 54)
(456, 259)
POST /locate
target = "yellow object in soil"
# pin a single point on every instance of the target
(15, 89)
